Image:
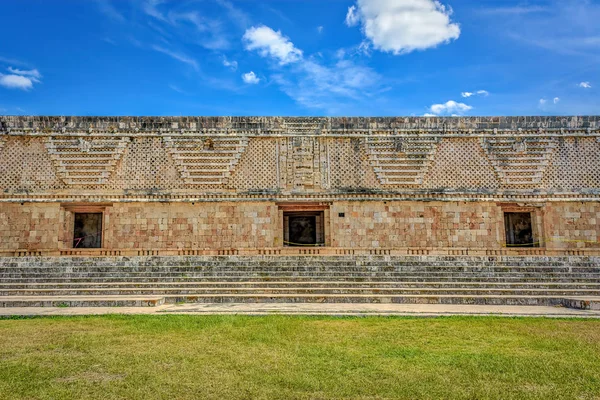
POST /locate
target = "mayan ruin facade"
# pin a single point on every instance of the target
(250, 185)
(146, 210)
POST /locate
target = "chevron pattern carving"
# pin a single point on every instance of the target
(520, 160)
(85, 161)
(206, 161)
(401, 160)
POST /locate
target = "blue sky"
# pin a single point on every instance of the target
(293, 57)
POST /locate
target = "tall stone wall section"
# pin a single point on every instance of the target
(218, 183)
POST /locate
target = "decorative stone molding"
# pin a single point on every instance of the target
(205, 160)
(85, 161)
(401, 160)
(464, 126)
(520, 160)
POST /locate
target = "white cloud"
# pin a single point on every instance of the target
(352, 17)
(270, 43)
(320, 28)
(178, 56)
(556, 100)
(585, 85)
(429, 115)
(34, 73)
(403, 26)
(543, 102)
(230, 64)
(250, 78)
(16, 82)
(450, 107)
(477, 93)
(20, 79)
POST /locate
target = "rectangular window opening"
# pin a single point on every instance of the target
(304, 228)
(519, 230)
(87, 231)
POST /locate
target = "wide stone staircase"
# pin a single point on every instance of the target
(155, 280)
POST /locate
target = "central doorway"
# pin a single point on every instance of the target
(304, 224)
(303, 228)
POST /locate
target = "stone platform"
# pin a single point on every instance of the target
(337, 282)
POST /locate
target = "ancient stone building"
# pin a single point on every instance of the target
(145, 211)
(281, 185)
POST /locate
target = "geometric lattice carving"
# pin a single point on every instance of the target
(401, 160)
(303, 125)
(205, 161)
(520, 160)
(85, 161)
(2, 140)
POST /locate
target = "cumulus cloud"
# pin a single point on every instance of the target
(450, 107)
(467, 94)
(250, 78)
(403, 26)
(270, 43)
(585, 85)
(543, 102)
(16, 82)
(20, 79)
(556, 100)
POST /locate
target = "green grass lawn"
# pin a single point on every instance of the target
(236, 357)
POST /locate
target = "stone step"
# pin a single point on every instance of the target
(300, 283)
(137, 301)
(297, 268)
(222, 291)
(81, 301)
(116, 277)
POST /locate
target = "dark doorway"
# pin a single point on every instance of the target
(87, 232)
(519, 232)
(303, 228)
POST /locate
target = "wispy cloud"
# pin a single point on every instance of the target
(516, 10)
(551, 27)
(110, 11)
(232, 65)
(477, 93)
(556, 100)
(34, 73)
(585, 85)
(313, 82)
(176, 89)
(178, 56)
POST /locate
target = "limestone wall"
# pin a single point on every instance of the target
(29, 226)
(192, 226)
(417, 224)
(258, 225)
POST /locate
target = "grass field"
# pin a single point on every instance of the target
(235, 357)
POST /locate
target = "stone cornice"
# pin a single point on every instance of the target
(294, 126)
(90, 197)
